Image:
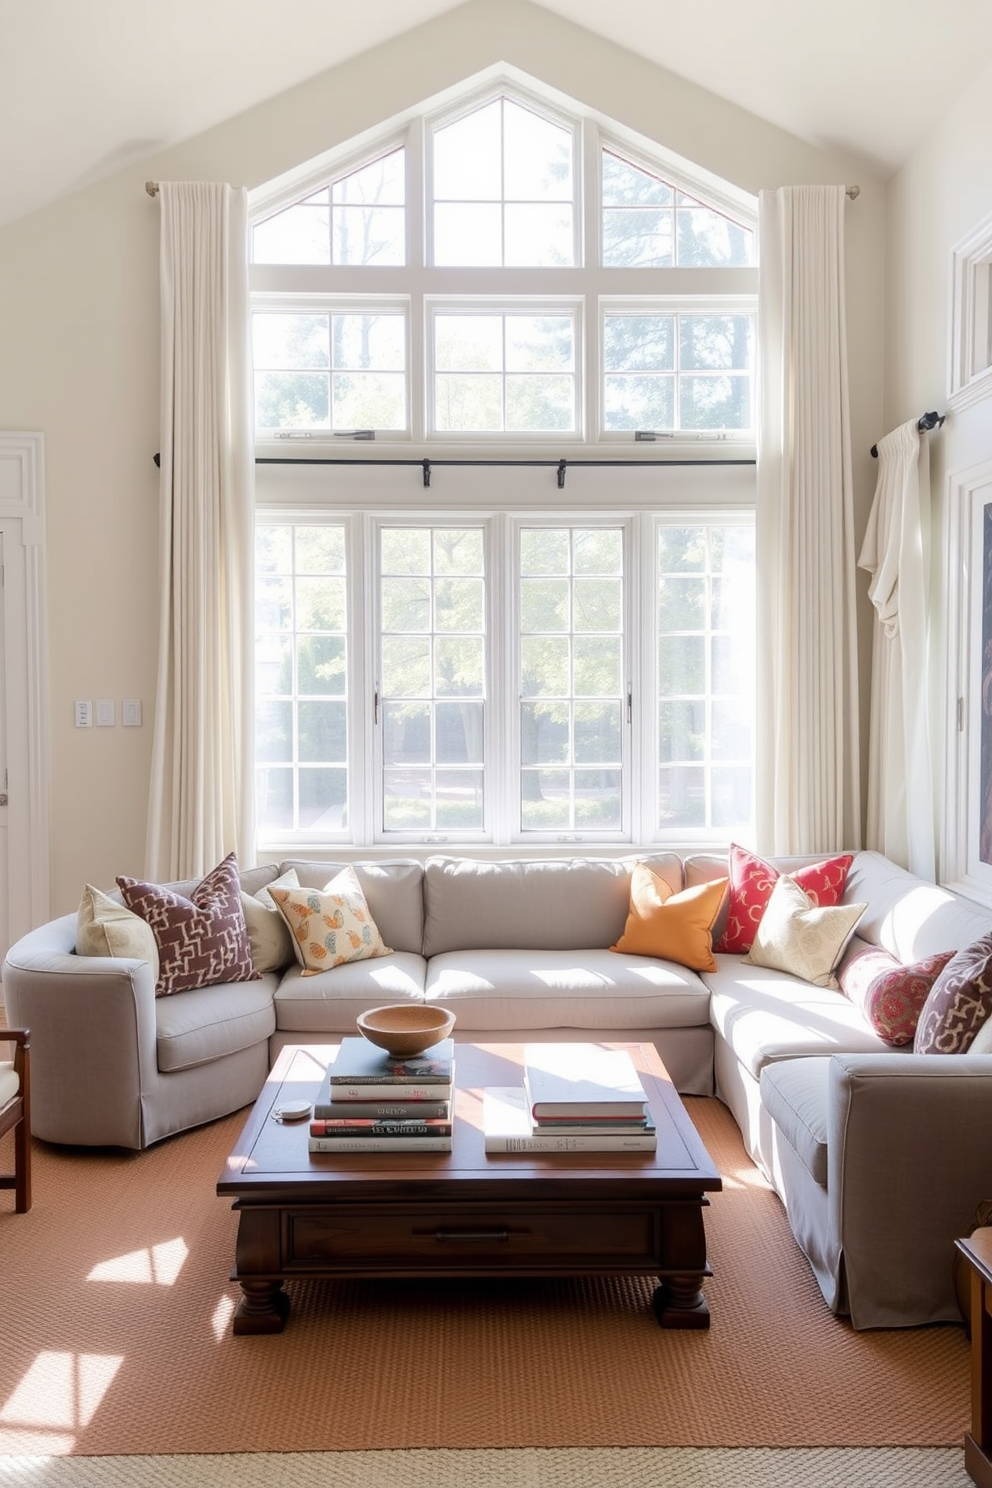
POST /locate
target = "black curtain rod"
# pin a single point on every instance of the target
(925, 421)
(426, 465)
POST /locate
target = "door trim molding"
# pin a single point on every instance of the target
(22, 512)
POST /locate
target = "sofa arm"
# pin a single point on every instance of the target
(93, 1031)
(909, 1160)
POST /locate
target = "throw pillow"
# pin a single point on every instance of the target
(268, 934)
(202, 939)
(959, 1003)
(890, 995)
(674, 926)
(798, 936)
(331, 925)
(751, 884)
(106, 928)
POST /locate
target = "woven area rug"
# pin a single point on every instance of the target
(117, 1338)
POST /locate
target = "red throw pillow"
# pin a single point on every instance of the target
(751, 884)
(201, 940)
(890, 995)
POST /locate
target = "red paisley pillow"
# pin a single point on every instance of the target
(890, 995)
(751, 884)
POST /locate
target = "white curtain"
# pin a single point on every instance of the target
(895, 553)
(808, 792)
(201, 800)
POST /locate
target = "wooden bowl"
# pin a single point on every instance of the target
(406, 1028)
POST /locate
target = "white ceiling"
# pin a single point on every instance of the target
(87, 86)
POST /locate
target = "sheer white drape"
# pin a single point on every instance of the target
(808, 792)
(895, 553)
(201, 798)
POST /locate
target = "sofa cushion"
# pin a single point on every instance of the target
(908, 916)
(960, 1001)
(752, 881)
(331, 1001)
(794, 1092)
(516, 989)
(199, 1026)
(330, 926)
(202, 939)
(393, 890)
(799, 936)
(890, 995)
(105, 927)
(531, 904)
(672, 926)
(765, 1015)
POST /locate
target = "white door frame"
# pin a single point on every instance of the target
(22, 517)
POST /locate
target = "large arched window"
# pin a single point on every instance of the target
(500, 277)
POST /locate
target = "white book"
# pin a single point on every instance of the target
(508, 1127)
(566, 1080)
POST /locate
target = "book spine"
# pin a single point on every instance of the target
(402, 1092)
(581, 1142)
(549, 1111)
(380, 1144)
(426, 1110)
(360, 1128)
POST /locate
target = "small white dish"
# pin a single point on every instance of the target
(297, 1110)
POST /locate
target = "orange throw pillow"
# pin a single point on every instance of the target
(674, 926)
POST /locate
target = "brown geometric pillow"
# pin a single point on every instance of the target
(959, 1002)
(201, 940)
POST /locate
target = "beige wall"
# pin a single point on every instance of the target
(942, 192)
(79, 308)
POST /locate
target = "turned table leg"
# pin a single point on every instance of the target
(679, 1303)
(263, 1308)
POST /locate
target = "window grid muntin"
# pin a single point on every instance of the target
(505, 311)
(296, 774)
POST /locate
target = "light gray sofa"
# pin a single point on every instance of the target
(880, 1157)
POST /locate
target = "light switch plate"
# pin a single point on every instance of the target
(106, 713)
(83, 714)
(131, 712)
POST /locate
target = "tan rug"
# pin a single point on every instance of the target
(116, 1320)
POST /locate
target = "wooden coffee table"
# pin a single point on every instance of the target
(465, 1213)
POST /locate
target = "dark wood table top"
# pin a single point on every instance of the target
(271, 1158)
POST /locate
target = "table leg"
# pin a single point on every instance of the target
(263, 1308)
(679, 1303)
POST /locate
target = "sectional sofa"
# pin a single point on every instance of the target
(881, 1157)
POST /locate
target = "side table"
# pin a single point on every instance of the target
(977, 1252)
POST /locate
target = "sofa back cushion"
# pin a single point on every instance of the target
(393, 890)
(908, 916)
(561, 904)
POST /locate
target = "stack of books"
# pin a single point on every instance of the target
(575, 1098)
(371, 1101)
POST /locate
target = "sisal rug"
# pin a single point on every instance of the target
(117, 1341)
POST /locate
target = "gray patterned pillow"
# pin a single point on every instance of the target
(959, 1003)
(201, 940)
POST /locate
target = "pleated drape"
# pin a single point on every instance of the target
(201, 797)
(900, 808)
(807, 776)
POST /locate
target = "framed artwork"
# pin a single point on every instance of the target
(966, 857)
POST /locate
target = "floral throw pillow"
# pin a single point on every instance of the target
(890, 995)
(751, 884)
(202, 939)
(959, 1003)
(331, 925)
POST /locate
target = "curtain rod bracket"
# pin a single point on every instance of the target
(931, 420)
(561, 474)
(427, 473)
(152, 188)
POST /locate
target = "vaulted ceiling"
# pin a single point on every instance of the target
(87, 86)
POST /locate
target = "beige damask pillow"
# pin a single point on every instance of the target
(797, 936)
(106, 928)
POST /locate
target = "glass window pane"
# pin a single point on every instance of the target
(405, 550)
(537, 163)
(544, 734)
(319, 550)
(715, 341)
(468, 403)
(468, 156)
(369, 343)
(459, 799)
(637, 237)
(406, 733)
(273, 549)
(545, 799)
(535, 403)
(639, 401)
(369, 400)
(639, 343)
(273, 665)
(544, 604)
(406, 604)
(731, 798)
(597, 666)
(731, 729)
(406, 805)
(467, 235)
(292, 400)
(468, 343)
(536, 236)
(597, 800)
(406, 666)
(458, 733)
(288, 341)
(597, 733)
(274, 732)
(369, 235)
(323, 732)
(458, 551)
(274, 800)
(544, 550)
(383, 183)
(682, 604)
(681, 549)
(598, 550)
(458, 666)
(321, 663)
(709, 401)
(681, 730)
(323, 800)
(320, 604)
(539, 343)
(681, 797)
(544, 666)
(458, 604)
(625, 184)
(706, 240)
(273, 602)
(597, 604)
(298, 235)
(681, 665)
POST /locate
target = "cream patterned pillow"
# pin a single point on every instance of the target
(797, 936)
(106, 928)
(331, 925)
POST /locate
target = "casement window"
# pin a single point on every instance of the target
(503, 279)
